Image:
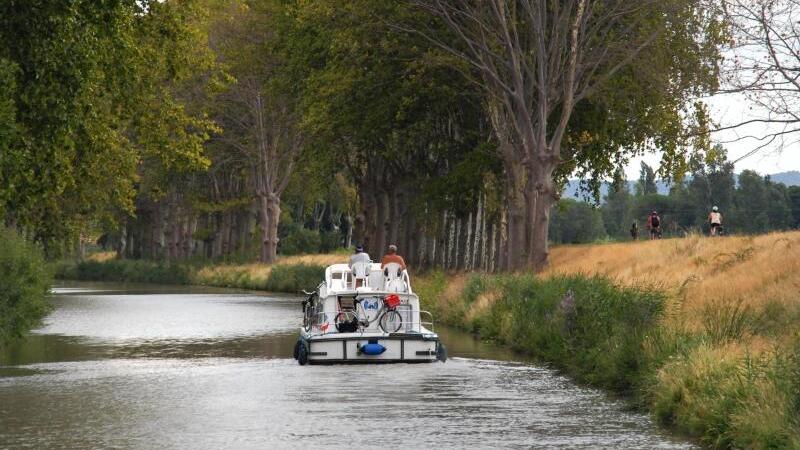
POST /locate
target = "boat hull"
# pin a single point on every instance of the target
(360, 348)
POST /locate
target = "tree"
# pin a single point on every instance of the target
(712, 184)
(751, 203)
(83, 128)
(616, 210)
(538, 62)
(259, 111)
(779, 209)
(766, 53)
(794, 203)
(576, 222)
(391, 112)
(647, 181)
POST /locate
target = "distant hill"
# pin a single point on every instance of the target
(791, 178)
(788, 178)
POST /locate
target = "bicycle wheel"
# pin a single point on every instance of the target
(391, 321)
(308, 318)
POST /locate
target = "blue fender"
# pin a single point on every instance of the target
(372, 348)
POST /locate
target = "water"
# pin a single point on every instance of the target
(151, 367)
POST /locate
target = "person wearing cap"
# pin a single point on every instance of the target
(392, 257)
(715, 219)
(360, 256)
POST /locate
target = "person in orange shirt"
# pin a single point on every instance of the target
(392, 257)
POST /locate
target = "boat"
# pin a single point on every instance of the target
(367, 314)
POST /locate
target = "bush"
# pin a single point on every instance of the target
(330, 241)
(24, 285)
(124, 270)
(299, 240)
(590, 327)
(294, 278)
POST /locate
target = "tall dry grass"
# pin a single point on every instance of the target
(719, 362)
(759, 272)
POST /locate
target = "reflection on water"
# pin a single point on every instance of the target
(116, 366)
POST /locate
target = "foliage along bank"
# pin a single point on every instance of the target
(24, 286)
(627, 340)
(290, 278)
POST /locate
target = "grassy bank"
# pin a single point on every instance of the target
(24, 286)
(701, 332)
(291, 274)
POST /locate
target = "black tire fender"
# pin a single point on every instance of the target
(302, 353)
(441, 352)
(297, 348)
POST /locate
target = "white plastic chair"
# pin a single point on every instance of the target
(361, 272)
(393, 278)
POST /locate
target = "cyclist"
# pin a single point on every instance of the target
(635, 231)
(715, 219)
(654, 225)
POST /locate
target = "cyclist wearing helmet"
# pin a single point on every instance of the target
(715, 219)
(654, 225)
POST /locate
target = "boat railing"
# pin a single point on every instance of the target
(409, 325)
(427, 323)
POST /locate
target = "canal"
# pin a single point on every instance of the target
(123, 366)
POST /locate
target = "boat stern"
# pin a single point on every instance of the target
(339, 348)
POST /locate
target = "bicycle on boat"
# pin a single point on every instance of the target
(388, 318)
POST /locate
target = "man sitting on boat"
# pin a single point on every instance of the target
(392, 257)
(359, 262)
(360, 256)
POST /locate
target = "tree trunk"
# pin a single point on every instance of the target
(269, 214)
(224, 235)
(516, 245)
(501, 259)
(381, 217)
(541, 198)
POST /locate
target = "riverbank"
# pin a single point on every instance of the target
(291, 274)
(699, 331)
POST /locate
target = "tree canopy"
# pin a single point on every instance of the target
(238, 129)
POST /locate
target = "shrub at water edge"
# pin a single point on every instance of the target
(294, 278)
(24, 286)
(134, 271)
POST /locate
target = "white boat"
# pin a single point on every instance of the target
(366, 315)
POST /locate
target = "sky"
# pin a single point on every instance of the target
(729, 110)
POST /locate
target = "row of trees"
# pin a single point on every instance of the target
(94, 111)
(749, 202)
(237, 129)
